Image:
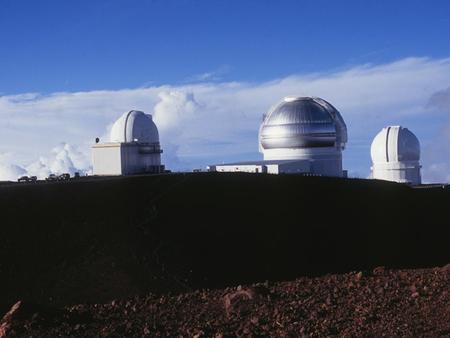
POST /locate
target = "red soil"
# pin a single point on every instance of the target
(410, 303)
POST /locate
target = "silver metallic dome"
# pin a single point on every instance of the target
(303, 122)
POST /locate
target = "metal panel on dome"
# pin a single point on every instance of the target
(298, 135)
(302, 123)
(408, 146)
(299, 112)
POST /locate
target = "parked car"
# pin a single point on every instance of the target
(64, 177)
(76, 175)
(51, 177)
(23, 179)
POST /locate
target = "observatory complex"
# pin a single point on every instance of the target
(299, 135)
(395, 153)
(133, 147)
(306, 135)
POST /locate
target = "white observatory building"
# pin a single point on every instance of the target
(133, 147)
(395, 153)
(303, 135)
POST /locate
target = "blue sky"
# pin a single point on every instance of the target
(50, 46)
(209, 69)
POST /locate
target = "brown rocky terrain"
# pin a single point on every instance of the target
(400, 303)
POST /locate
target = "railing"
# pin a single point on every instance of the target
(150, 149)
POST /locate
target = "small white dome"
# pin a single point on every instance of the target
(134, 126)
(395, 144)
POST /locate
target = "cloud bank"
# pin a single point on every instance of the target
(63, 158)
(206, 122)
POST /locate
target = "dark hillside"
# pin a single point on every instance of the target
(97, 239)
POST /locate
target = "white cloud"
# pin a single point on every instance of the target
(64, 158)
(441, 101)
(174, 109)
(201, 123)
(10, 172)
(215, 75)
(436, 153)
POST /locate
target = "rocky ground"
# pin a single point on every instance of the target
(382, 302)
(163, 255)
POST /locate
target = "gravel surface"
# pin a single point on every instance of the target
(405, 303)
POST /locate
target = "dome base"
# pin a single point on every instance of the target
(120, 158)
(401, 172)
(324, 161)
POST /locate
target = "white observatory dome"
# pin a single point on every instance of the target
(395, 144)
(395, 153)
(134, 126)
(303, 122)
(306, 129)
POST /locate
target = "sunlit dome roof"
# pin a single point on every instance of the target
(303, 122)
(134, 126)
(395, 144)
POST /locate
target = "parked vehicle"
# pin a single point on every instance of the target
(76, 175)
(51, 177)
(30, 179)
(64, 177)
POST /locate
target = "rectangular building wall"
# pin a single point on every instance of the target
(270, 167)
(295, 167)
(136, 160)
(125, 159)
(241, 168)
(106, 159)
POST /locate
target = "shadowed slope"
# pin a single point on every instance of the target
(102, 238)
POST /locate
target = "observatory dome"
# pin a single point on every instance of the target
(395, 153)
(134, 126)
(395, 144)
(302, 122)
